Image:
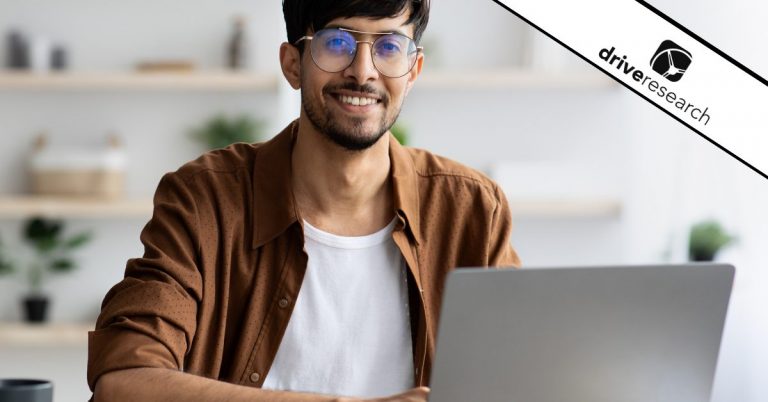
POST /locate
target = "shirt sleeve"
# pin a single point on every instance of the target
(500, 251)
(149, 318)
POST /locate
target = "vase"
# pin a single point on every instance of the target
(35, 308)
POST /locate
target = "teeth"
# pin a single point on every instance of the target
(357, 101)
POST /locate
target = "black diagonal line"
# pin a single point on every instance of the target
(713, 142)
(703, 42)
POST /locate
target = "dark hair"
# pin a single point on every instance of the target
(311, 15)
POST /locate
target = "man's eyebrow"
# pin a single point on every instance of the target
(397, 31)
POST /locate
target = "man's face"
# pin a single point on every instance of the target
(356, 106)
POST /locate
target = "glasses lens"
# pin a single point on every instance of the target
(394, 55)
(333, 49)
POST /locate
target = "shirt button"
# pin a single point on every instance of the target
(255, 377)
(283, 303)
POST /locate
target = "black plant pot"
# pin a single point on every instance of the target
(35, 308)
(702, 257)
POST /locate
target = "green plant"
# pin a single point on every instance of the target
(222, 131)
(53, 251)
(6, 267)
(400, 132)
(706, 238)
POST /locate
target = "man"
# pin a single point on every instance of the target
(333, 206)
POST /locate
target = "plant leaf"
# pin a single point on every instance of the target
(77, 240)
(222, 131)
(46, 245)
(62, 265)
(37, 228)
(400, 133)
(5, 266)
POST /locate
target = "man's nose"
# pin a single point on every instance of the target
(362, 68)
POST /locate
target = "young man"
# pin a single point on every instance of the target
(333, 206)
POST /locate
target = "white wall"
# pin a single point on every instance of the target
(666, 176)
(680, 178)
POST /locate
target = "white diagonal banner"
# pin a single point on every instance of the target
(669, 67)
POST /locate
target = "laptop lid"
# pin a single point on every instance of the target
(603, 334)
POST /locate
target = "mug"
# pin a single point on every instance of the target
(24, 390)
(40, 55)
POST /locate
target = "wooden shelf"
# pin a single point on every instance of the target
(250, 82)
(565, 209)
(512, 79)
(23, 206)
(20, 334)
(19, 207)
(135, 81)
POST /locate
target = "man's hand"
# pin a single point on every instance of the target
(166, 385)
(412, 395)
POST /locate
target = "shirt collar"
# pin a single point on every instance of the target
(274, 209)
(405, 186)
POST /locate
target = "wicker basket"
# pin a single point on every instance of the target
(77, 172)
(78, 183)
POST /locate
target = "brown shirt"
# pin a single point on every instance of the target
(224, 260)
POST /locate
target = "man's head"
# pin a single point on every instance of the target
(355, 106)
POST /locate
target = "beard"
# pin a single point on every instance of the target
(351, 136)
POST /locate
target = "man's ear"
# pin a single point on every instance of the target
(415, 71)
(290, 62)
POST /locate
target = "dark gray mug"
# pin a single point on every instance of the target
(22, 390)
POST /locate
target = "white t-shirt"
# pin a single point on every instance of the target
(350, 331)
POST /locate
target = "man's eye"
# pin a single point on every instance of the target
(338, 44)
(388, 48)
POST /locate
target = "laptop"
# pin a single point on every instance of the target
(601, 334)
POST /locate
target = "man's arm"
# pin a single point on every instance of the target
(149, 319)
(500, 250)
(163, 385)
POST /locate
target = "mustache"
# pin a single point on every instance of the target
(351, 86)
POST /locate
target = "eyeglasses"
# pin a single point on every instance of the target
(334, 49)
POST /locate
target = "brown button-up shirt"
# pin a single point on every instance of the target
(224, 260)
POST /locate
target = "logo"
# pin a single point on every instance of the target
(671, 60)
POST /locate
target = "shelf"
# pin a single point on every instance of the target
(565, 209)
(19, 334)
(19, 207)
(512, 79)
(249, 82)
(135, 81)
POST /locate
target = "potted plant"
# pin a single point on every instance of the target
(706, 238)
(6, 267)
(52, 254)
(221, 131)
(400, 132)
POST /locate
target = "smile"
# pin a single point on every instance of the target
(357, 100)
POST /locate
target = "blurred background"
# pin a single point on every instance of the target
(99, 98)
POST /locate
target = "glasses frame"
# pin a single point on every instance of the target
(419, 49)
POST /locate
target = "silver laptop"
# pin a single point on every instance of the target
(606, 334)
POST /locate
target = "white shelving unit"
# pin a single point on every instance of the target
(18, 207)
(138, 81)
(566, 209)
(83, 208)
(255, 82)
(50, 335)
(503, 79)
